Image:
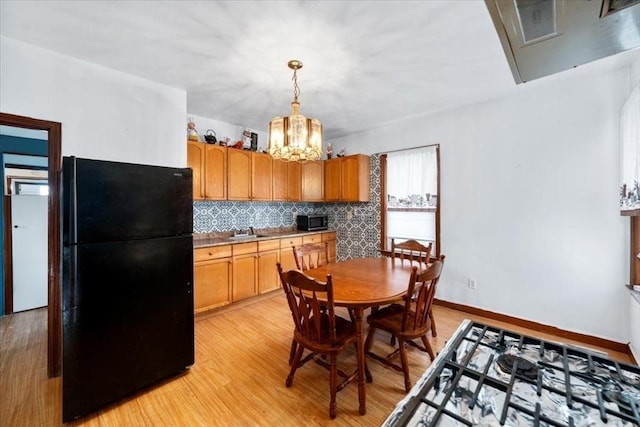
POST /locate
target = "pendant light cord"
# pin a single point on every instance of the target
(296, 88)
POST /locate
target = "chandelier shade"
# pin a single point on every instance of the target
(296, 137)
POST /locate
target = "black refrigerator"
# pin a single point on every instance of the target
(127, 280)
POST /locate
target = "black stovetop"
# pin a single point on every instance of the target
(471, 384)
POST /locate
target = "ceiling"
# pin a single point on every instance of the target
(366, 63)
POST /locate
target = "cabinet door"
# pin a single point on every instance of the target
(195, 160)
(215, 178)
(244, 276)
(331, 238)
(261, 176)
(294, 181)
(280, 180)
(238, 174)
(287, 259)
(211, 284)
(355, 178)
(333, 179)
(313, 181)
(268, 279)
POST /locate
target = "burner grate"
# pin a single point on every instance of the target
(472, 383)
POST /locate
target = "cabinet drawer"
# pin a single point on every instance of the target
(329, 236)
(268, 245)
(314, 238)
(212, 252)
(245, 248)
(286, 243)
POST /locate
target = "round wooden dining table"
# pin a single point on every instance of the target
(363, 283)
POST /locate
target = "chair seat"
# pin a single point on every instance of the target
(390, 319)
(345, 334)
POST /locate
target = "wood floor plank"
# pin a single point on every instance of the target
(238, 379)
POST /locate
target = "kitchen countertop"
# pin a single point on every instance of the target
(203, 240)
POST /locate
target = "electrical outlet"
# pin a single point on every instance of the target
(294, 216)
(472, 284)
(349, 214)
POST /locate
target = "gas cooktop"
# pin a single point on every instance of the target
(487, 376)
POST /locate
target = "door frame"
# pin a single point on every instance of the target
(54, 159)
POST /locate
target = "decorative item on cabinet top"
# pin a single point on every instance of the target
(192, 133)
(210, 136)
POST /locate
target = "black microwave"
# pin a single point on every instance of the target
(312, 222)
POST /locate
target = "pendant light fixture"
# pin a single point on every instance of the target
(295, 138)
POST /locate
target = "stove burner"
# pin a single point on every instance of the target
(524, 368)
(624, 400)
(481, 379)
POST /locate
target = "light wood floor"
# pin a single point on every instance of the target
(238, 378)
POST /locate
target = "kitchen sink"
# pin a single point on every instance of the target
(244, 237)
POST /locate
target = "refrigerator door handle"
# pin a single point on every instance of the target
(73, 280)
(73, 203)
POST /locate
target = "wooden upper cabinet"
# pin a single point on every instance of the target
(238, 174)
(355, 178)
(294, 181)
(287, 181)
(215, 177)
(221, 173)
(261, 176)
(195, 161)
(347, 179)
(209, 165)
(312, 173)
(333, 179)
(280, 181)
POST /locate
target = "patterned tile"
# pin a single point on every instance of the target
(356, 237)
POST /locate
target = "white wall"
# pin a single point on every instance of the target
(105, 114)
(529, 201)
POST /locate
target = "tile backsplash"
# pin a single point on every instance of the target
(357, 225)
(211, 216)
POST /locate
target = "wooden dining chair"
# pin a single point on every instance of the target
(311, 255)
(409, 320)
(413, 251)
(317, 328)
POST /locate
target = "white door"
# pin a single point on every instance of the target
(29, 247)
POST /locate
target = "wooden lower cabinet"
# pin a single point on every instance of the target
(245, 271)
(287, 260)
(231, 273)
(212, 277)
(268, 257)
(313, 238)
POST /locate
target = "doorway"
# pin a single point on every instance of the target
(26, 225)
(24, 164)
(54, 165)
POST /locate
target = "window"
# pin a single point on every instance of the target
(31, 188)
(411, 196)
(630, 149)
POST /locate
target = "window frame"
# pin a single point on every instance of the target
(383, 201)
